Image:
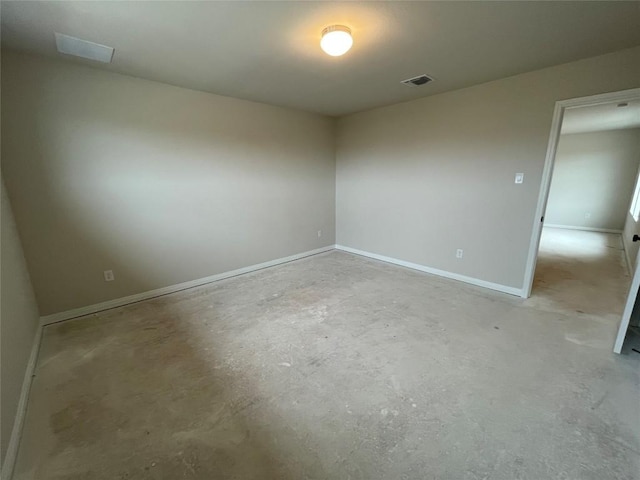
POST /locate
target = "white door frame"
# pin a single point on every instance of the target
(554, 137)
(545, 184)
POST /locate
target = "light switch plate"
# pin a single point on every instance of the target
(519, 177)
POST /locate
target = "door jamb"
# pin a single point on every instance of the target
(628, 310)
(545, 184)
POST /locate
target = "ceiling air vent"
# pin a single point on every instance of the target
(417, 81)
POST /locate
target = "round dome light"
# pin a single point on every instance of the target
(336, 40)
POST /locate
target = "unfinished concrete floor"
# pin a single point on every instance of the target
(331, 367)
(585, 273)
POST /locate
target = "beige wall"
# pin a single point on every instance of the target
(165, 185)
(594, 173)
(18, 321)
(417, 180)
(160, 184)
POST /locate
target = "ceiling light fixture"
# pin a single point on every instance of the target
(336, 40)
(624, 104)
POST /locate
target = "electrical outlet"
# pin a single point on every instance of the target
(587, 215)
(519, 177)
(319, 233)
(459, 253)
(108, 276)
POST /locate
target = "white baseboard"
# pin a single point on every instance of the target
(434, 271)
(119, 302)
(18, 423)
(585, 229)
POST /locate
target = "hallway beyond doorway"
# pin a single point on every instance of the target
(582, 272)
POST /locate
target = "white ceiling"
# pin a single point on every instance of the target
(269, 51)
(597, 118)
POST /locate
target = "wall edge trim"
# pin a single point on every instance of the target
(18, 423)
(434, 271)
(158, 292)
(586, 229)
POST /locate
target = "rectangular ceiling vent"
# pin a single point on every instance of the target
(83, 48)
(417, 81)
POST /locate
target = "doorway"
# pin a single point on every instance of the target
(582, 256)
